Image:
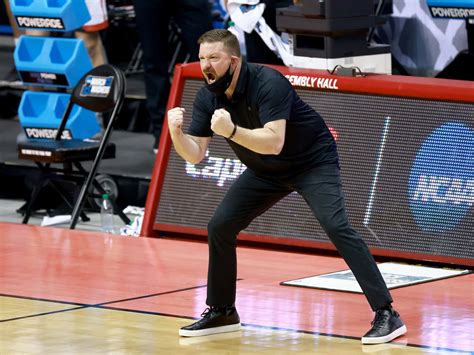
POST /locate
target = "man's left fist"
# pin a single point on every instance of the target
(221, 123)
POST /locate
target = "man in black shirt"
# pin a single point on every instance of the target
(286, 147)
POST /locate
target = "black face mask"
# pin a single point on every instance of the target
(221, 85)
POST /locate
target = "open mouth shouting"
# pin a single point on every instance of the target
(210, 77)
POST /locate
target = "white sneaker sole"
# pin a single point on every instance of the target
(398, 332)
(209, 331)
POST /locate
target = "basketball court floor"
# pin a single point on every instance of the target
(83, 292)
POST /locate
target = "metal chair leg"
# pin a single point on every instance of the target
(57, 187)
(34, 195)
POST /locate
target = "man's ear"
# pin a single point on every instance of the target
(234, 60)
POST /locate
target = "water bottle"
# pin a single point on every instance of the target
(107, 214)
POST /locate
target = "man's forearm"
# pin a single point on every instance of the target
(260, 140)
(187, 147)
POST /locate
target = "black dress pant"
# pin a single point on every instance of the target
(152, 18)
(251, 195)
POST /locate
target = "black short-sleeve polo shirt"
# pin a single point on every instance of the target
(263, 95)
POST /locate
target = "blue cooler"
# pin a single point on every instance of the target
(52, 15)
(40, 114)
(49, 61)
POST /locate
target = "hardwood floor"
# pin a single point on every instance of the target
(82, 292)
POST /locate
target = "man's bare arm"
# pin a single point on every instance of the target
(190, 148)
(266, 140)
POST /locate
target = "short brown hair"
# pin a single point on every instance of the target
(231, 43)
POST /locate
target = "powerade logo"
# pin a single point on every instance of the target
(46, 133)
(441, 184)
(40, 22)
(451, 12)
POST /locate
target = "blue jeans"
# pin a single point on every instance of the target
(251, 195)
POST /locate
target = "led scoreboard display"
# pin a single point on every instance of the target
(407, 164)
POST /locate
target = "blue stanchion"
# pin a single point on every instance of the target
(53, 15)
(49, 61)
(40, 114)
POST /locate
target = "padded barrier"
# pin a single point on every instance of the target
(406, 146)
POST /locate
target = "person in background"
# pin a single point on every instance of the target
(286, 147)
(257, 50)
(193, 17)
(90, 32)
(16, 33)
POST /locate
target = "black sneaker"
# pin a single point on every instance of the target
(214, 320)
(386, 326)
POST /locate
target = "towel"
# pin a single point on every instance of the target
(247, 15)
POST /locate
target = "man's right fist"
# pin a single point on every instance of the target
(175, 119)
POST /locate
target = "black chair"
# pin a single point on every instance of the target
(102, 89)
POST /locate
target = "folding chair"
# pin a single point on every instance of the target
(102, 89)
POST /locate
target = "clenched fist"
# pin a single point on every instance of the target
(175, 119)
(221, 123)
